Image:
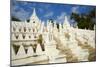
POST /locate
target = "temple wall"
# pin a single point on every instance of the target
(25, 35)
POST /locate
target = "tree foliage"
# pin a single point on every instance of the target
(85, 20)
(15, 19)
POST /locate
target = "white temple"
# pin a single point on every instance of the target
(24, 36)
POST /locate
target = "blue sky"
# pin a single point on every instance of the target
(23, 10)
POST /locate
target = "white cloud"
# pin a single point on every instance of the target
(61, 17)
(75, 9)
(49, 14)
(20, 13)
(63, 14)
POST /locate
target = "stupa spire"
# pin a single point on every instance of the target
(66, 22)
(33, 14)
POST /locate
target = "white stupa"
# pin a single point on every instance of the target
(66, 22)
(34, 17)
(33, 14)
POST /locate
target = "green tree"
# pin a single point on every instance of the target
(15, 19)
(85, 20)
